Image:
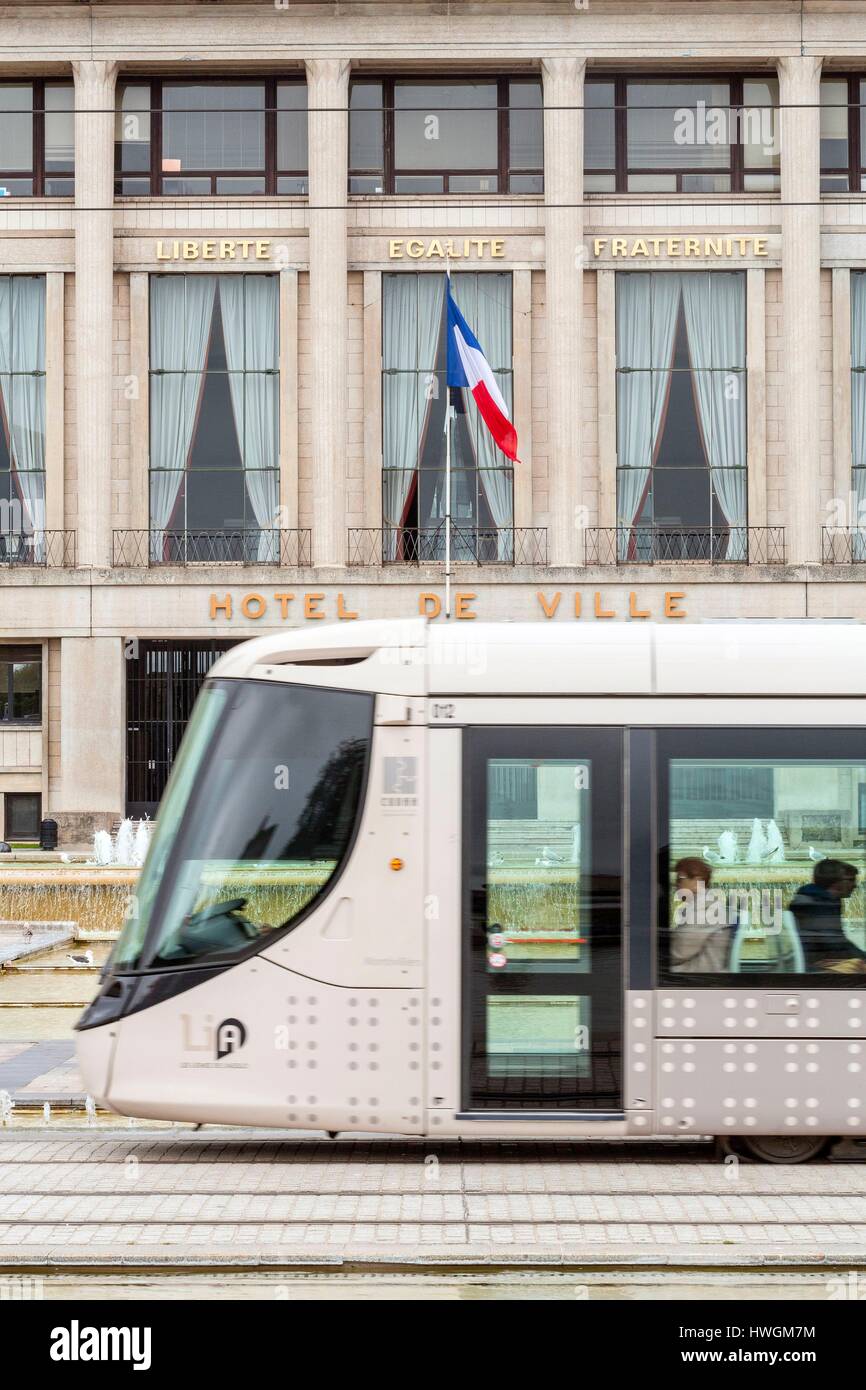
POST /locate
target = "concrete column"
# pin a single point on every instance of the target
(799, 96)
(94, 268)
(563, 219)
(92, 751)
(328, 99)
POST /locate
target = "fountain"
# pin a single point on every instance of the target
(129, 847)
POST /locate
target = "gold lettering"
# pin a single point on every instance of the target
(395, 249)
(479, 242)
(599, 244)
(161, 255)
(221, 605)
(429, 612)
(549, 608)
(671, 609)
(208, 250)
(245, 249)
(342, 610)
(263, 250)
(633, 611)
(674, 243)
(284, 600)
(693, 246)
(601, 612)
(743, 242)
(227, 250)
(639, 247)
(190, 251)
(435, 249)
(450, 248)
(656, 242)
(761, 246)
(712, 246)
(729, 247)
(461, 605)
(247, 602)
(311, 605)
(497, 247)
(414, 249)
(617, 246)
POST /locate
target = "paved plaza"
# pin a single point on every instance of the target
(106, 1197)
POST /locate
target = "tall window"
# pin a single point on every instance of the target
(414, 399)
(37, 139)
(481, 135)
(858, 408)
(22, 417)
(681, 415)
(681, 135)
(843, 134)
(20, 685)
(195, 138)
(214, 417)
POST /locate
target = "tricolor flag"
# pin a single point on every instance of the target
(468, 367)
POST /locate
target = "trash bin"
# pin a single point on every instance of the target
(48, 834)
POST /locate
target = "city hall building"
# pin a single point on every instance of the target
(224, 236)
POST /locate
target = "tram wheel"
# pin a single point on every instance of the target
(783, 1148)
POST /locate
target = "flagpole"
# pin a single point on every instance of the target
(447, 468)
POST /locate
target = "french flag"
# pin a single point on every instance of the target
(469, 368)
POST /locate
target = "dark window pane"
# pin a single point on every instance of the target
(292, 125)
(26, 688)
(16, 126)
(473, 183)
(598, 129)
(758, 123)
(705, 183)
(233, 184)
(186, 188)
(15, 188)
(23, 813)
(412, 183)
(59, 128)
(133, 188)
(213, 126)
(59, 188)
(445, 125)
(668, 130)
(526, 183)
(599, 183)
(293, 183)
(132, 128)
(366, 126)
(368, 183)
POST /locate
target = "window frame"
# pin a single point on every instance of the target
(737, 743)
(390, 173)
(19, 658)
(736, 168)
(856, 170)
(37, 172)
(7, 833)
(156, 175)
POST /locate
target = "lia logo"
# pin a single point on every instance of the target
(219, 1039)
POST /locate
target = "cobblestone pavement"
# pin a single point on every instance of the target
(235, 1199)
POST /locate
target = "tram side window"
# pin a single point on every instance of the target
(765, 868)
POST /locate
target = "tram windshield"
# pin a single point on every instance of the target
(259, 812)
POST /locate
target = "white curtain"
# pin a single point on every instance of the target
(646, 319)
(858, 412)
(411, 330)
(715, 313)
(487, 309)
(181, 312)
(250, 314)
(22, 386)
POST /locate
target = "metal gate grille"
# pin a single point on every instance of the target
(162, 681)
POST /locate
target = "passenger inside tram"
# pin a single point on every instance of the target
(817, 908)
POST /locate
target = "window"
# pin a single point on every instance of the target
(763, 855)
(542, 981)
(22, 417)
(465, 136)
(681, 415)
(197, 138)
(37, 139)
(20, 685)
(240, 853)
(681, 135)
(843, 134)
(23, 814)
(414, 400)
(214, 417)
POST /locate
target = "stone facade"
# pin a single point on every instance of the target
(98, 253)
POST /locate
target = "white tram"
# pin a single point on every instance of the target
(512, 880)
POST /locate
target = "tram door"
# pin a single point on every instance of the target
(542, 919)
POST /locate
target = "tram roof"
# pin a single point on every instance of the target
(417, 657)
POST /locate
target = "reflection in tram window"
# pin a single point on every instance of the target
(543, 1035)
(767, 865)
(538, 852)
(258, 821)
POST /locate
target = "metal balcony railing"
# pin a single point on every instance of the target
(291, 548)
(843, 547)
(470, 545)
(46, 549)
(660, 545)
